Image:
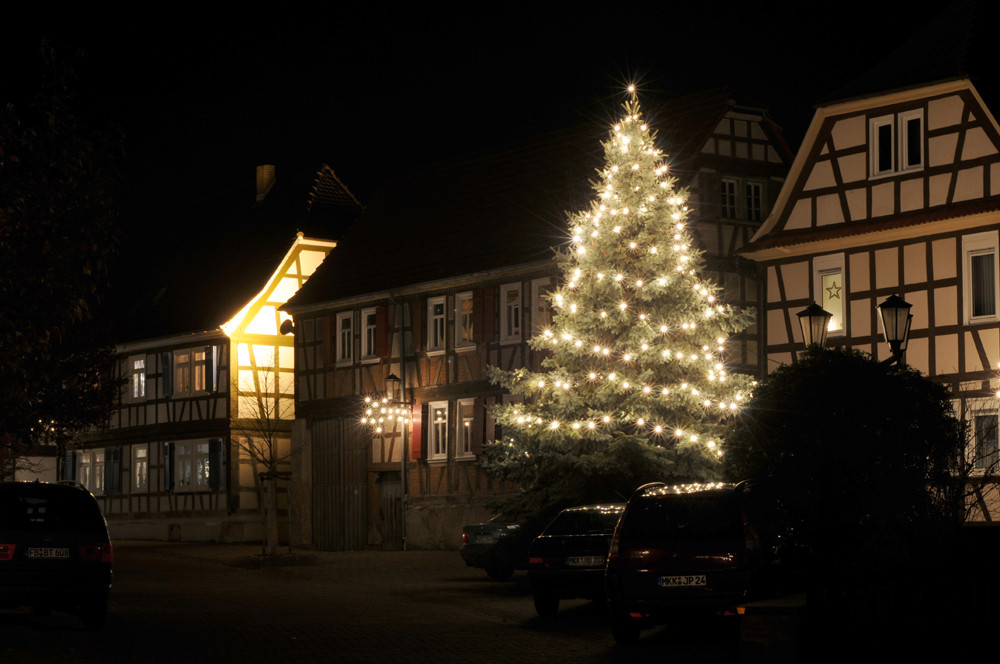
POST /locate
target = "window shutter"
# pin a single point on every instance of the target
(417, 445)
(112, 470)
(168, 466)
(214, 463)
(69, 465)
(478, 316)
(167, 373)
(478, 421)
(211, 371)
(382, 331)
(417, 318)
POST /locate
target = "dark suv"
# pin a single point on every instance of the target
(55, 552)
(683, 550)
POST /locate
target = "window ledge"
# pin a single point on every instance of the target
(435, 352)
(371, 360)
(465, 349)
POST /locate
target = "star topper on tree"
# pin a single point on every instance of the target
(636, 349)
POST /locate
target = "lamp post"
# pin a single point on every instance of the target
(815, 322)
(896, 319)
(392, 383)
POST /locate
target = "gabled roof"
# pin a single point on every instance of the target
(197, 274)
(466, 216)
(938, 52)
(486, 212)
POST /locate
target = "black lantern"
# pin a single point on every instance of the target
(815, 322)
(391, 385)
(896, 319)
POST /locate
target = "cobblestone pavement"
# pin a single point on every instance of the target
(216, 603)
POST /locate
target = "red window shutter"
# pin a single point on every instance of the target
(478, 420)
(417, 316)
(382, 331)
(417, 447)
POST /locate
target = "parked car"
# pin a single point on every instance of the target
(567, 560)
(494, 546)
(55, 552)
(683, 551)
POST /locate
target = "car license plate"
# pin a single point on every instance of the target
(685, 581)
(47, 552)
(585, 561)
(485, 539)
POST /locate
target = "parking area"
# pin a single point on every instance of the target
(216, 602)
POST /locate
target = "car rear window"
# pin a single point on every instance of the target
(583, 522)
(705, 516)
(36, 509)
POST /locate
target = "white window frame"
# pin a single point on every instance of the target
(191, 465)
(137, 378)
(463, 316)
(825, 266)
(899, 149)
(466, 416)
(189, 372)
(437, 325)
(980, 244)
(541, 308)
(369, 334)
(437, 431)
(511, 319)
(981, 466)
(140, 469)
(903, 136)
(874, 152)
(90, 470)
(345, 338)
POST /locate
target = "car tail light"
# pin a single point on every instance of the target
(613, 549)
(535, 560)
(97, 553)
(465, 538)
(7, 551)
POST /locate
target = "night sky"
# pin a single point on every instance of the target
(380, 90)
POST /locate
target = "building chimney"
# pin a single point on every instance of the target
(265, 180)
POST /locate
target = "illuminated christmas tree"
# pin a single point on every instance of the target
(635, 386)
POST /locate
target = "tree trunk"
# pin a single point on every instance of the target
(271, 517)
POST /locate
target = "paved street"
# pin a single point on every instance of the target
(215, 603)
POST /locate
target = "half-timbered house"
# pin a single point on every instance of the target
(896, 190)
(445, 274)
(175, 460)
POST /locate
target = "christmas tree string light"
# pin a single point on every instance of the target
(637, 343)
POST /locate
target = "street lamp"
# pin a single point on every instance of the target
(815, 322)
(896, 319)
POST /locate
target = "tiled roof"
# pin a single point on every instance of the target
(490, 211)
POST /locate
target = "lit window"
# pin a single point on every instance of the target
(192, 466)
(438, 430)
(986, 455)
(828, 289)
(189, 372)
(980, 278)
(138, 380)
(510, 312)
(435, 323)
(369, 330)
(345, 338)
(464, 320)
(541, 307)
(140, 468)
(466, 422)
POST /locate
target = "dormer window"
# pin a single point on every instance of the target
(896, 143)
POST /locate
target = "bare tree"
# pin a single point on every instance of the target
(978, 476)
(262, 422)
